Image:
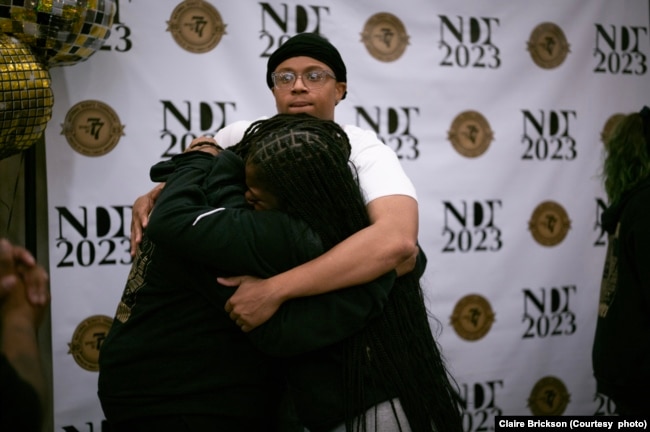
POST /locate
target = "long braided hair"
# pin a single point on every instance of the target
(304, 161)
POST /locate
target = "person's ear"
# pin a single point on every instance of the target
(341, 89)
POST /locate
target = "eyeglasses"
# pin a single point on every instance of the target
(312, 79)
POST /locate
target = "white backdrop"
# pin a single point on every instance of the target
(496, 108)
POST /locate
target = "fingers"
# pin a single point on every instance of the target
(234, 281)
(139, 220)
(236, 318)
(7, 278)
(11, 259)
(243, 326)
(23, 256)
(36, 284)
(202, 139)
(18, 264)
(7, 283)
(136, 235)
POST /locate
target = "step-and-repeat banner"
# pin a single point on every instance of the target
(497, 110)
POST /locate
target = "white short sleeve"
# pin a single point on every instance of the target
(231, 134)
(380, 171)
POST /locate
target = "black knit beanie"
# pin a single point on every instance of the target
(309, 45)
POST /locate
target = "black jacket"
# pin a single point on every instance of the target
(20, 407)
(178, 351)
(621, 351)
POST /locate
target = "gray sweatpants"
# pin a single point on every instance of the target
(385, 417)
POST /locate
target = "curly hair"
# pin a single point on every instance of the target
(305, 162)
(627, 159)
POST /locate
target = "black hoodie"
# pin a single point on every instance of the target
(621, 351)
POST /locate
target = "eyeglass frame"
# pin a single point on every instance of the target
(324, 73)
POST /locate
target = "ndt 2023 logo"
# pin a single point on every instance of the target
(547, 312)
(601, 234)
(547, 135)
(479, 404)
(90, 236)
(186, 120)
(471, 226)
(619, 49)
(393, 126)
(120, 37)
(280, 21)
(467, 42)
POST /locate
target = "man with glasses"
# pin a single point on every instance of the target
(307, 75)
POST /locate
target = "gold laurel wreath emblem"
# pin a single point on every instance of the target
(196, 26)
(549, 223)
(472, 317)
(548, 397)
(470, 134)
(87, 339)
(92, 128)
(548, 45)
(385, 37)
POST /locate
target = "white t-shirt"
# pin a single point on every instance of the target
(380, 172)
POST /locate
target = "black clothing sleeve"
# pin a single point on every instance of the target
(203, 214)
(20, 407)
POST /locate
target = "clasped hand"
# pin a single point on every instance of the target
(253, 303)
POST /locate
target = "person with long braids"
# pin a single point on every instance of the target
(307, 75)
(357, 359)
(394, 363)
(621, 349)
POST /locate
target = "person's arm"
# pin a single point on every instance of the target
(20, 321)
(24, 297)
(140, 215)
(141, 210)
(389, 241)
(202, 214)
(309, 323)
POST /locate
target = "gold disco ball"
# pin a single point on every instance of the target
(59, 32)
(25, 97)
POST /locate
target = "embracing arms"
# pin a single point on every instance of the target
(201, 213)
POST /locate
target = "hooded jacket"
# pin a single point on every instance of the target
(621, 350)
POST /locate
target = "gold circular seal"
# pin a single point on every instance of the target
(384, 36)
(87, 340)
(92, 128)
(548, 397)
(196, 26)
(548, 46)
(472, 317)
(609, 127)
(549, 223)
(470, 134)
